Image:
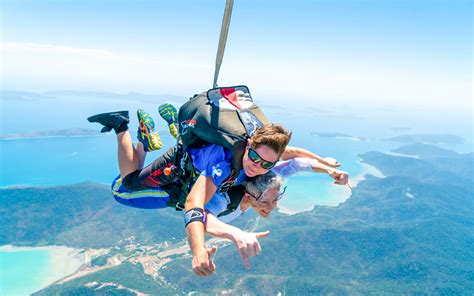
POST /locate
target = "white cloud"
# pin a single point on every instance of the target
(32, 66)
(363, 82)
(49, 49)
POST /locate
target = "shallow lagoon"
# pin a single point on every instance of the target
(68, 160)
(25, 270)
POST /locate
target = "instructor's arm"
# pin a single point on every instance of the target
(200, 194)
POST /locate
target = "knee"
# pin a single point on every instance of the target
(132, 181)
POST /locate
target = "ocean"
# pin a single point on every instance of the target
(25, 270)
(67, 160)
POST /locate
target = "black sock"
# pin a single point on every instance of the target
(123, 127)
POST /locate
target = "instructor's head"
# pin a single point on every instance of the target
(264, 149)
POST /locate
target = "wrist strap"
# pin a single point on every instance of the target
(195, 214)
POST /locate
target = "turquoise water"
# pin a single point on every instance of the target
(23, 272)
(306, 190)
(58, 161)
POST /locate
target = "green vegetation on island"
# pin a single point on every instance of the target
(80, 216)
(408, 233)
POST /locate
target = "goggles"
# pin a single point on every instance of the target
(254, 157)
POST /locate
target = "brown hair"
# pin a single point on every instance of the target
(274, 136)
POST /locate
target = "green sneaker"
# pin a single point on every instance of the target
(170, 115)
(151, 140)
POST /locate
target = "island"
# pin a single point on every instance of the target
(428, 138)
(409, 232)
(338, 136)
(71, 132)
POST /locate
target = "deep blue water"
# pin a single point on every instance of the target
(58, 161)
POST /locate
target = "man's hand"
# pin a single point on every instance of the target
(247, 244)
(332, 162)
(341, 178)
(202, 261)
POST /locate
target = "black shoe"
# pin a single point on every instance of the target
(112, 120)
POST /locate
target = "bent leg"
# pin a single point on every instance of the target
(141, 154)
(131, 159)
(118, 121)
(127, 154)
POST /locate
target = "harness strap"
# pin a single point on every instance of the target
(235, 195)
(229, 181)
(187, 175)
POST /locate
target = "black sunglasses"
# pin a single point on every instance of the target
(265, 164)
(280, 195)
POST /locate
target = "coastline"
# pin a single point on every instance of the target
(24, 186)
(340, 196)
(367, 169)
(63, 261)
(47, 137)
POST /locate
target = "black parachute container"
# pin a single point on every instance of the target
(225, 116)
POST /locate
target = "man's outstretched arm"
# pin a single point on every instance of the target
(340, 177)
(200, 194)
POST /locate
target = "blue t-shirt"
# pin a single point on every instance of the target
(220, 200)
(218, 203)
(215, 161)
(212, 161)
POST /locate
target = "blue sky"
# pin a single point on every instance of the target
(405, 52)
